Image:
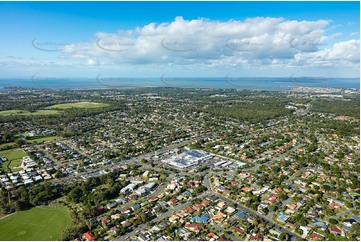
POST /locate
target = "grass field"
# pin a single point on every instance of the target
(27, 113)
(79, 105)
(43, 112)
(14, 157)
(53, 110)
(40, 223)
(12, 112)
(40, 140)
(2, 146)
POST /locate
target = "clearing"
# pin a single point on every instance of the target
(79, 105)
(40, 140)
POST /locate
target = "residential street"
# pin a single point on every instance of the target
(159, 218)
(209, 192)
(230, 201)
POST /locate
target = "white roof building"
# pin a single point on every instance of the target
(129, 187)
(141, 191)
(150, 186)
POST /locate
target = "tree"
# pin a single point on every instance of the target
(20, 142)
(75, 194)
(22, 205)
(272, 208)
(143, 217)
(265, 211)
(283, 196)
(283, 237)
(333, 221)
(303, 221)
(255, 223)
(58, 174)
(348, 204)
(89, 223)
(356, 229)
(73, 232)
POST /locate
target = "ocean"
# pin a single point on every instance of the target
(262, 83)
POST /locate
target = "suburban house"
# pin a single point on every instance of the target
(194, 227)
(316, 236)
(89, 236)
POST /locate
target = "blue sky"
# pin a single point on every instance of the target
(141, 39)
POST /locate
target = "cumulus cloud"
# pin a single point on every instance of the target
(206, 45)
(342, 53)
(262, 41)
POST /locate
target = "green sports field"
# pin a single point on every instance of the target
(40, 223)
(14, 157)
(79, 105)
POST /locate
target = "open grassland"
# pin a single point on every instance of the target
(11, 112)
(40, 223)
(13, 158)
(79, 105)
(4, 146)
(27, 113)
(40, 140)
(52, 110)
(8, 146)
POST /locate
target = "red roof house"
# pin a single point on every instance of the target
(89, 236)
(316, 236)
(255, 237)
(194, 227)
(239, 230)
(336, 231)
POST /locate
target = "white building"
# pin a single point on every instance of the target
(150, 186)
(141, 191)
(129, 188)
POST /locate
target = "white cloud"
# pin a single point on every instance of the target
(203, 41)
(92, 62)
(208, 45)
(354, 34)
(343, 53)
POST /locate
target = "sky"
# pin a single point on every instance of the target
(185, 39)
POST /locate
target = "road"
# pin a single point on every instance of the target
(343, 213)
(207, 184)
(289, 181)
